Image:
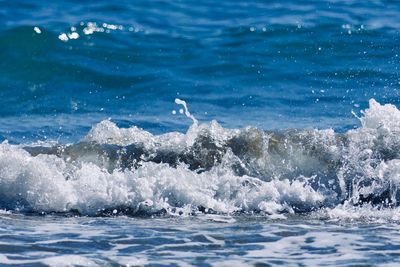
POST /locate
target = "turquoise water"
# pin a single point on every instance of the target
(199, 132)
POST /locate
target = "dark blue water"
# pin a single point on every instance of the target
(66, 66)
(270, 65)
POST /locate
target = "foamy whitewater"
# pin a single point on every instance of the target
(211, 170)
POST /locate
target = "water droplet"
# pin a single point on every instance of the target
(37, 30)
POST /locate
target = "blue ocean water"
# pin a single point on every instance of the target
(288, 153)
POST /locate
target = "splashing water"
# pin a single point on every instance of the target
(210, 169)
(187, 113)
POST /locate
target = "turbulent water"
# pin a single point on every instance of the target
(199, 133)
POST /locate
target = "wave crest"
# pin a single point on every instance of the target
(209, 169)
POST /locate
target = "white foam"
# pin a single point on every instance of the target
(48, 183)
(366, 212)
(62, 261)
(379, 134)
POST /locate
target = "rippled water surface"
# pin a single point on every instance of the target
(206, 241)
(199, 133)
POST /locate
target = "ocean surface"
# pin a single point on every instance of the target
(199, 133)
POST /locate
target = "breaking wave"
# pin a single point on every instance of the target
(210, 169)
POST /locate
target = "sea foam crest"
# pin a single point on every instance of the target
(209, 169)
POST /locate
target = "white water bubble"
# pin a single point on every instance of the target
(180, 111)
(63, 37)
(74, 106)
(73, 35)
(37, 30)
(173, 112)
(87, 31)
